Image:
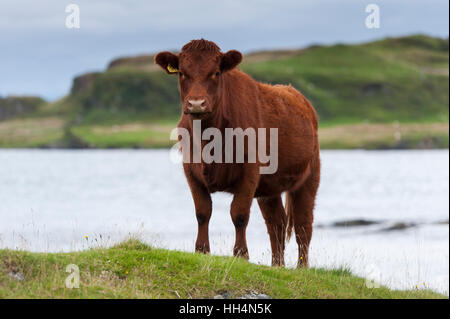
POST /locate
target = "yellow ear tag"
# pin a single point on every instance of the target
(171, 69)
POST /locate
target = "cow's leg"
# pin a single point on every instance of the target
(203, 209)
(240, 208)
(303, 200)
(275, 217)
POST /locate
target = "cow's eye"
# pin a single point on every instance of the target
(180, 74)
(217, 73)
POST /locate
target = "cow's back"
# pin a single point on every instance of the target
(285, 108)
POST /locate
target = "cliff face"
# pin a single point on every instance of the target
(83, 82)
(13, 106)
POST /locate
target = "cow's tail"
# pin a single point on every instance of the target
(289, 208)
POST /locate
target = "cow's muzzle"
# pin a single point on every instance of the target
(196, 107)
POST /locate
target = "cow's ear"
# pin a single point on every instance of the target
(167, 61)
(230, 60)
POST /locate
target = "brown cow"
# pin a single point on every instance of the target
(213, 90)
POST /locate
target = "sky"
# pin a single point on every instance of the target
(39, 55)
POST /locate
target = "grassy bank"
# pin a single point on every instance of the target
(385, 136)
(344, 136)
(135, 270)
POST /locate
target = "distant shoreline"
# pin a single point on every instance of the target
(48, 133)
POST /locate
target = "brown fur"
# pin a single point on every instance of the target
(233, 99)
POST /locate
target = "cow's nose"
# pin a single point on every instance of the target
(196, 106)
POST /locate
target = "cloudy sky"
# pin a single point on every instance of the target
(40, 56)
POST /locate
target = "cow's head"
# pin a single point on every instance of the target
(200, 67)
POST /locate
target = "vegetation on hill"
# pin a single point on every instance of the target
(389, 80)
(135, 270)
(395, 80)
(13, 106)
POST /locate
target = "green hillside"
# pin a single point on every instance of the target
(136, 270)
(395, 80)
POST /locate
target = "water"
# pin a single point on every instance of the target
(51, 200)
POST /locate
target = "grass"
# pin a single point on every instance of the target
(337, 136)
(129, 135)
(403, 79)
(135, 270)
(51, 132)
(385, 136)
